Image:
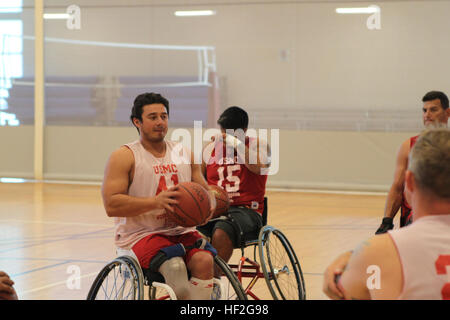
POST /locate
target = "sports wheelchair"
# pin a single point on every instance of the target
(278, 264)
(124, 279)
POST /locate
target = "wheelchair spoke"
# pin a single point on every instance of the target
(119, 293)
(127, 281)
(283, 270)
(105, 287)
(114, 288)
(283, 275)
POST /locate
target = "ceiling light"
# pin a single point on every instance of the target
(357, 10)
(56, 16)
(12, 180)
(195, 13)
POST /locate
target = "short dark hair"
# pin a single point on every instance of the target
(145, 99)
(433, 95)
(233, 118)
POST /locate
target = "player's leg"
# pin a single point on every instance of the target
(221, 241)
(201, 266)
(174, 271)
(243, 224)
(175, 275)
(200, 263)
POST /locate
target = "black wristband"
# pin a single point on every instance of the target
(388, 220)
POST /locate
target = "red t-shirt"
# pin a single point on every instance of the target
(244, 187)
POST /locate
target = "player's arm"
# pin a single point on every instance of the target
(198, 176)
(256, 156)
(394, 198)
(7, 291)
(115, 186)
(395, 195)
(332, 274)
(262, 149)
(345, 277)
(353, 280)
(197, 173)
(373, 271)
(206, 152)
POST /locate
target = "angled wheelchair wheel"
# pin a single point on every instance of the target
(231, 288)
(280, 265)
(121, 279)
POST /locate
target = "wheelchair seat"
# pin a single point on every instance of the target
(149, 276)
(254, 242)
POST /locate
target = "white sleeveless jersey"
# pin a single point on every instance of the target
(151, 176)
(424, 251)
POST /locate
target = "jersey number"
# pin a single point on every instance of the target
(441, 263)
(162, 185)
(235, 181)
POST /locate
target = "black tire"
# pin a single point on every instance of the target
(235, 290)
(280, 266)
(125, 274)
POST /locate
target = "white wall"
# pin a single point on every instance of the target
(307, 159)
(333, 62)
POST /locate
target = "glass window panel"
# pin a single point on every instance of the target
(10, 6)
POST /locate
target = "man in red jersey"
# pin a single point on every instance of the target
(238, 164)
(435, 114)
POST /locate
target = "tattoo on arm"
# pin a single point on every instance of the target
(361, 246)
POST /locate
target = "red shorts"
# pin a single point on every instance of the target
(146, 248)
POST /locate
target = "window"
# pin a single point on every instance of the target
(11, 56)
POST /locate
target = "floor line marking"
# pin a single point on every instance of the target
(55, 284)
(58, 223)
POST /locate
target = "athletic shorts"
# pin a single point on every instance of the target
(146, 248)
(242, 224)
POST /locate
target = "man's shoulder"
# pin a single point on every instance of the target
(409, 142)
(380, 250)
(123, 153)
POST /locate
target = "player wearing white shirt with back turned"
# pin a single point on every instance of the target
(413, 262)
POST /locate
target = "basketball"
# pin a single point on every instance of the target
(222, 201)
(193, 208)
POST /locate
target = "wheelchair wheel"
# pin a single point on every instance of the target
(232, 289)
(121, 279)
(280, 265)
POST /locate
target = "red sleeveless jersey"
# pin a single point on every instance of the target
(244, 187)
(406, 211)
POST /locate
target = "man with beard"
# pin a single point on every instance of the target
(435, 115)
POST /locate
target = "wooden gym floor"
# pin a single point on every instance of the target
(52, 233)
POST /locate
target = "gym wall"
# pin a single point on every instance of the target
(343, 97)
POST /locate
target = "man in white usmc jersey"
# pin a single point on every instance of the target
(138, 191)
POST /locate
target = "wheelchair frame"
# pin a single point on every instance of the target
(267, 268)
(131, 272)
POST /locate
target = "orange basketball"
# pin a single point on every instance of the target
(193, 208)
(222, 201)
